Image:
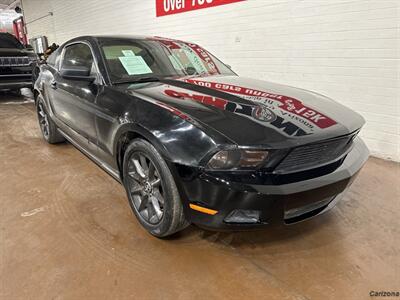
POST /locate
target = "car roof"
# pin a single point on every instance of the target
(121, 36)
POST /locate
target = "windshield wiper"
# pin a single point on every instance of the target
(139, 80)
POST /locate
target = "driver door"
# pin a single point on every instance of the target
(73, 100)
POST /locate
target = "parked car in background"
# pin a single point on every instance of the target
(193, 142)
(16, 63)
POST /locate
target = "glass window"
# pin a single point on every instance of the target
(131, 59)
(156, 57)
(78, 55)
(195, 60)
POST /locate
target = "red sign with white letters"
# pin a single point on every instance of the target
(286, 103)
(170, 7)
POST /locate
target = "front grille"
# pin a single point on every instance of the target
(314, 155)
(14, 61)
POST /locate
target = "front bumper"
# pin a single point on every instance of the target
(18, 78)
(13, 85)
(276, 203)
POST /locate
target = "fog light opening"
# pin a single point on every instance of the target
(241, 216)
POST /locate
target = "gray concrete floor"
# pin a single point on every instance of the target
(67, 232)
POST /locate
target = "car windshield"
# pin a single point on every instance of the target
(132, 59)
(8, 41)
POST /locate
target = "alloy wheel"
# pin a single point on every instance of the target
(145, 188)
(43, 120)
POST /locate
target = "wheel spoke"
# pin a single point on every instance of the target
(156, 182)
(151, 171)
(156, 207)
(159, 197)
(135, 176)
(139, 169)
(143, 162)
(143, 203)
(136, 189)
(150, 211)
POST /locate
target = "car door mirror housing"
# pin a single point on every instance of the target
(77, 73)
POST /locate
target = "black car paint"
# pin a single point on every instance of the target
(100, 118)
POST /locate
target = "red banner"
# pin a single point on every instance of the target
(202, 53)
(170, 7)
(288, 104)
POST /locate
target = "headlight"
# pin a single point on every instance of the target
(232, 159)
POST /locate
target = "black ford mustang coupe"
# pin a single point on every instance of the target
(191, 141)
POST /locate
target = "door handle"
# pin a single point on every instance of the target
(53, 84)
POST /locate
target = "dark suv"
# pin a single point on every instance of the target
(16, 62)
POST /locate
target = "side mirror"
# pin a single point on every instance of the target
(77, 73)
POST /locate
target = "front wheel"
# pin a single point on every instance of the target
(152, 192)
(47, 126)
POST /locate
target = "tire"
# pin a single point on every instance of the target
(149, 185)
(46, 124)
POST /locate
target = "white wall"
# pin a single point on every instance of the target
(7, 16)
(347, 50)
(35, 9)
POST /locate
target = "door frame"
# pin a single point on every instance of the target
(99, 77)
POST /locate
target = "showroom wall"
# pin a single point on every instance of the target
(347, 50)
(7, 16)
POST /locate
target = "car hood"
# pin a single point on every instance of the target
(252, 112)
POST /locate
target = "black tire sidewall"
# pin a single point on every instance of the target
(54, 136)
(38, 102)
(171, 198)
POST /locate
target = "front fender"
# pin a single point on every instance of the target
(177, 139)
(136, 130)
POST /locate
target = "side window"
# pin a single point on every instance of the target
(78, 55)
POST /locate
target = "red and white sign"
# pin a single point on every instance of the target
(289, 104)
(170, 7)
(202, 53)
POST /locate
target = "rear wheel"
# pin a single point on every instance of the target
(47, 126)
(151, 190)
